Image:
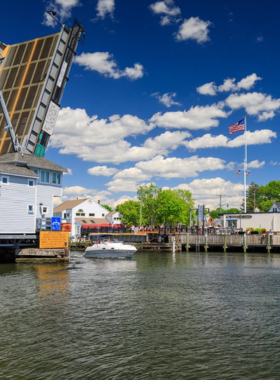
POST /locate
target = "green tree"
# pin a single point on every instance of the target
(174, 207)
(252, 197)
(107, 207)
(170, 207)
(130, 211)
(148, 196)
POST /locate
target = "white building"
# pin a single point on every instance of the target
(82, 213)
(275, 207)
(114, 218)
(27, 186)
(267, 220)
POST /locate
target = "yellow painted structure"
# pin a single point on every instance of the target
(53, 239)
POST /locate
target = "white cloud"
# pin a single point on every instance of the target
(105, 7)
(255, 103)
(194, 119)
(119, 185)
(167, 10)
(195, 29)
(166, 7)
(103, 63)
(123, 199)
(63, 10)
(207, 89)
(166, 141)
(256, 164)
(266, 115)
(248, 82)
(77, 191)
(167, 99)
(206, 191)
(179, 167)
(102, 171)
(102, 140)
(228, 85)
(259, 137)
(134, 174)
(70, 172)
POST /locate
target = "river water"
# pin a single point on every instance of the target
(159, 316)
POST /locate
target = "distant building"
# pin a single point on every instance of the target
(27, 187)
(267, 220)
(275, 207)
(114, 218)
(83, 214)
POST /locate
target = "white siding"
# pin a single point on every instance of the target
(269, 220)
(14, 200)
(89, 207)
(45, 194)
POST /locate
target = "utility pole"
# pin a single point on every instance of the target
(220, 195)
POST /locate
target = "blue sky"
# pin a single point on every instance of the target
(154, 89)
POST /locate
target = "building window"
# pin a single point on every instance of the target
(5, 180)
(78, 214)
(91, 214)
(45, 177)
(84, 221)
(83, 214)
(31, 182)
(35, 171)
(30, 209)
(56, 178)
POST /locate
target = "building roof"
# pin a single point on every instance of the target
(68, 205)
(92, 220)
(31, 160)
(111, 213)
(18, 170)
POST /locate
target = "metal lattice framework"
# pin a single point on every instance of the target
(33, 75)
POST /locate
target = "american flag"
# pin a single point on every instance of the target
(238, 172)
(248, 173)
(239, 126)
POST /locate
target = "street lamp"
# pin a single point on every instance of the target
(52, 14)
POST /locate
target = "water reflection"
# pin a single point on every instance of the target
(191, 315)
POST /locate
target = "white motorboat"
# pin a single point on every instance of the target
(110, 248)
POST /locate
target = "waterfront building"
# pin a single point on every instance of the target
(84, 214)
(114, 218)
(275, 207)
(268, 220)
(28, 186)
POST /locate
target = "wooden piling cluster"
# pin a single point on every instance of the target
(227, 241)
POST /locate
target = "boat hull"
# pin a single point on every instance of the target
(109, 254)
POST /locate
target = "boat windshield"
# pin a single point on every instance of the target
(109, 240)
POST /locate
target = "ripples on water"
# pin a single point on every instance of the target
(159, 316)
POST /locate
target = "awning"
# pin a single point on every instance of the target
(96, 225)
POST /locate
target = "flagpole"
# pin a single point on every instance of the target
(245, 166)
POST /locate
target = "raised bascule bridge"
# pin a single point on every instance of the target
(33, 76)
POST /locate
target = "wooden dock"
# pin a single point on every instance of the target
(227, 242)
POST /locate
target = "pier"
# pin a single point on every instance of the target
(41, 246)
